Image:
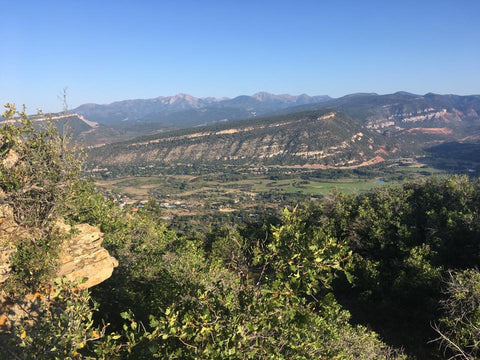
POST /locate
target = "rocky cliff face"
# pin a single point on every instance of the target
(81, 256)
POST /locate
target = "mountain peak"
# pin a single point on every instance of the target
(266, 96)
(359, 94)
(405, 93)
(262, 95)
(184, 96)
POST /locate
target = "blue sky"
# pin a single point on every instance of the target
(105, 51)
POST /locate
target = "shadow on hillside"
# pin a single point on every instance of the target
(454, 157)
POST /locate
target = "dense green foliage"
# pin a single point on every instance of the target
(404, 240)
(233, 298)
(459, 329)
(38, 168)
(397, 245)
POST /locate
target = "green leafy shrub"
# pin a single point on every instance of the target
(38, 167)
(61, 326)
(33, 263)
(459, 329)
(195, 304)
(404, 240)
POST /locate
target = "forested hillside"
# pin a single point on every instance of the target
(325, 138)
(403, 110)
(345, 277)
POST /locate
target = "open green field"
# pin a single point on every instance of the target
(141, 187)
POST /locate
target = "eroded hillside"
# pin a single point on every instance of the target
(403, 110)
(321, 138)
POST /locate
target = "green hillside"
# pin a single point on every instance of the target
(405, 110)
(325, 138)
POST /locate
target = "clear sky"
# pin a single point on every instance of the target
(105, 51)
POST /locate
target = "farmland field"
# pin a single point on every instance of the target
(240, 191)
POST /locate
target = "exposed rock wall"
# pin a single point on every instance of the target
(81, 256)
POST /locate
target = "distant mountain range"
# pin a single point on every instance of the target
(399, 110)
(403, 110)
(183, 110)
(351, 131)
(402, 122)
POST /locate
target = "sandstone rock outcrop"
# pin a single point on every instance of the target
(81, 255)
(7, 228)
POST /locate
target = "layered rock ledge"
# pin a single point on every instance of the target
(81, 257)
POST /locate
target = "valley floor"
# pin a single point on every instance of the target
(249, 192)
